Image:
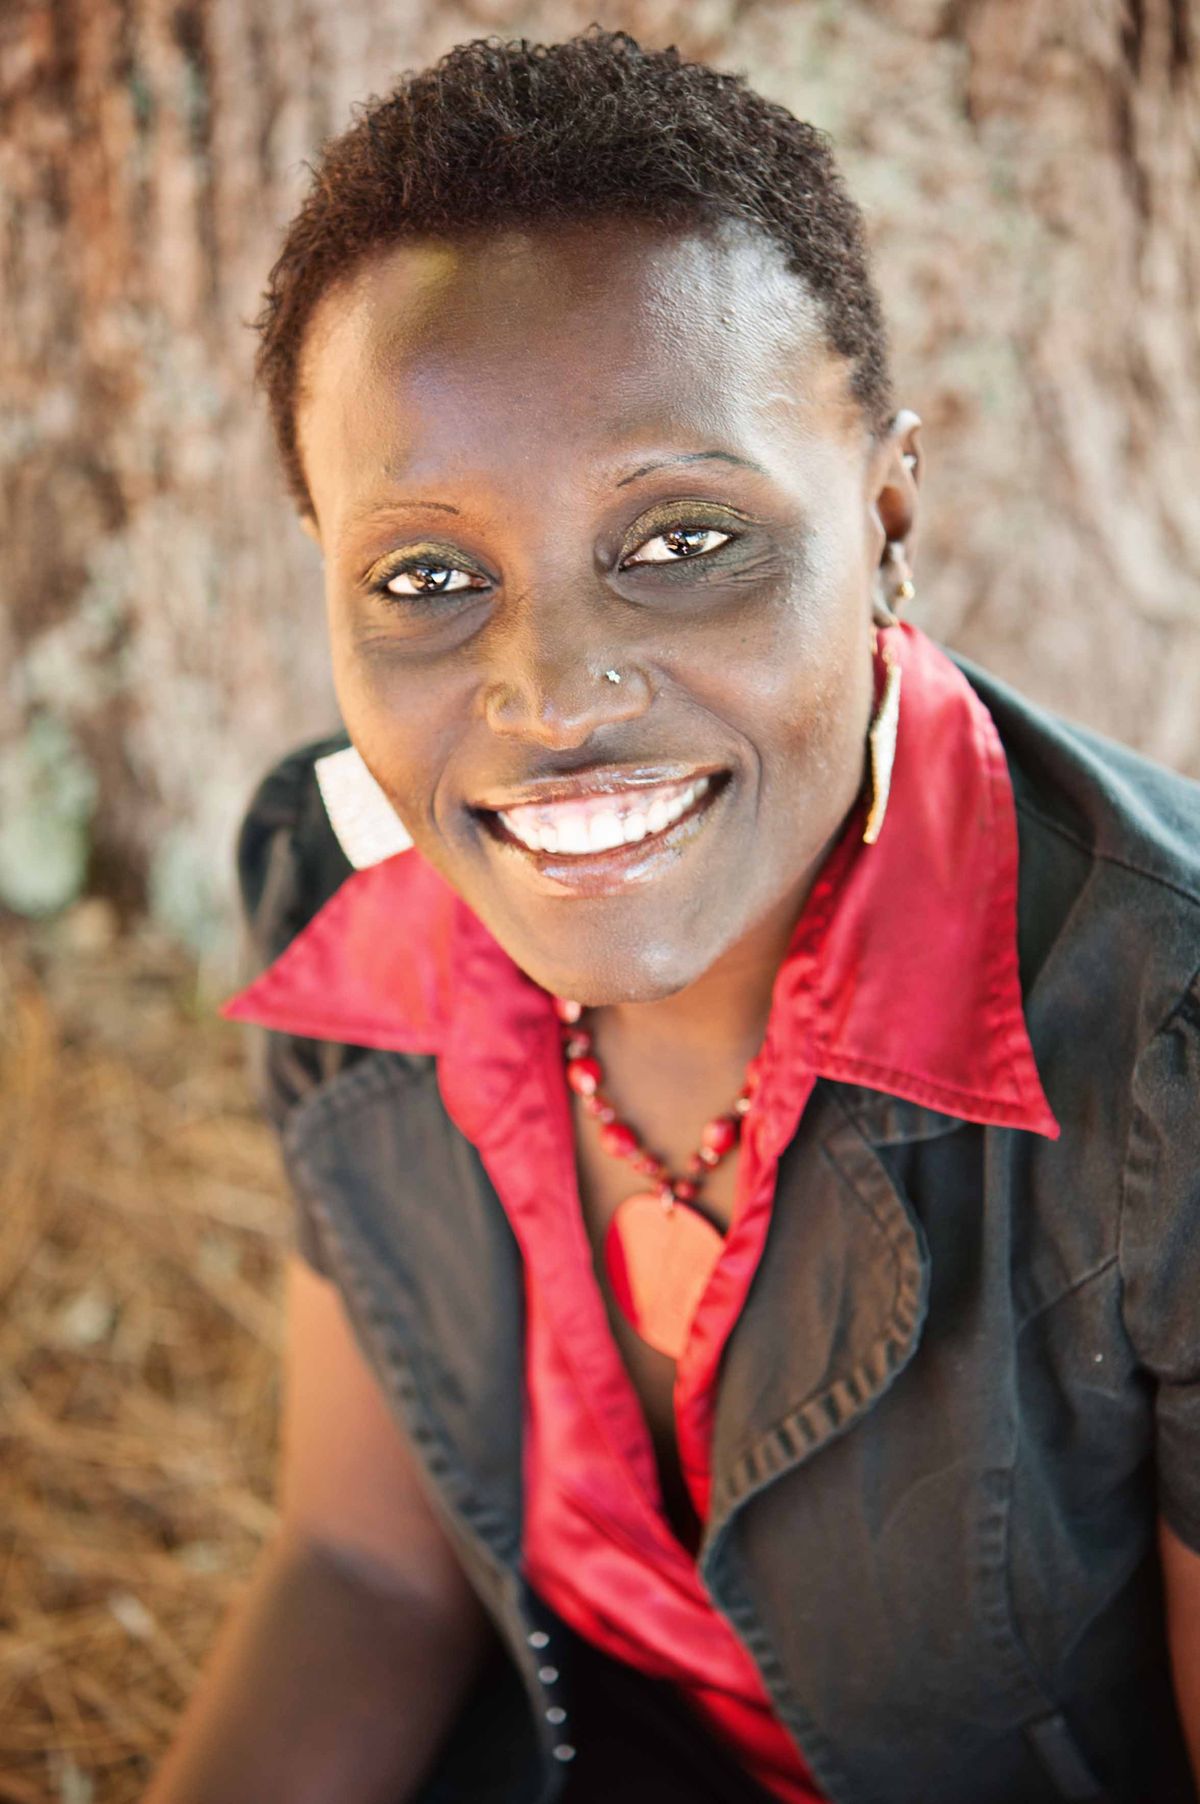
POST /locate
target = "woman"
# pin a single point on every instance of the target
(737, 1065)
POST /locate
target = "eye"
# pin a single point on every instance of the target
(677, 543)
(425, 577)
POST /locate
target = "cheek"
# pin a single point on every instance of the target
(830, 693)
(828, 658)
(813, 764)
(795, 684)
(403, 725)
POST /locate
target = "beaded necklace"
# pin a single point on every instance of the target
(659, 1251)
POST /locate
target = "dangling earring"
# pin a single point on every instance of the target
(882, 742)
(885, 722)
(367, 827)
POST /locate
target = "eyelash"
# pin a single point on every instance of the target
(407, 568)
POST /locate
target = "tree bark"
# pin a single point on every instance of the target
(1031, 177)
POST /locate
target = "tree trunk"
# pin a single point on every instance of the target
(1031, 176)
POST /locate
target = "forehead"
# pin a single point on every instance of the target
(578, 343)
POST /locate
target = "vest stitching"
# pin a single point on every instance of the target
(1184, 1009)
(996, 1607)
(1102, 857)
(828, 1413)
(815, 1747)
(873, 1107)
(1099, 1270)
(411, 1377)
(375, 1074)
(406, 1377)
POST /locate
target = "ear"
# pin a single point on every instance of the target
(895, 478)
(309, 525)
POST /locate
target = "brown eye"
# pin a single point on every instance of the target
(426, 579)
(677, 543)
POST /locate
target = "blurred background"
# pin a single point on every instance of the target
(1030, 175)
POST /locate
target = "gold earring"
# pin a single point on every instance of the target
(881, 740)
(905, 589)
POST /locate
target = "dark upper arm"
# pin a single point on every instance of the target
(348, 1481)
(1181, 1584)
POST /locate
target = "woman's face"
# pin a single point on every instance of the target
(537, 457)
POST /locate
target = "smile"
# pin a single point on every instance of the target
(585, 825)
(598, 835)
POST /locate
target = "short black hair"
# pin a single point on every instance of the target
(507, 134)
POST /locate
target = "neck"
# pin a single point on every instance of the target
(721, 1016)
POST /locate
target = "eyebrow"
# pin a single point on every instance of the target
(692, 457)
(371, 510)
(374, 510)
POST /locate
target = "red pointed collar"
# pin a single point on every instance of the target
(901, 975)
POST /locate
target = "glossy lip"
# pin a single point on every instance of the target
(607, 873)
(606, 780)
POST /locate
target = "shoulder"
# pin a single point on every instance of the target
(1109, 929)
(289, 860)
(1109, 861)
(289, 863)
(1117, 805)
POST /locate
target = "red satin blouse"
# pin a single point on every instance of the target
(901, 974)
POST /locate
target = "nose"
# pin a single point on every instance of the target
(556, 689)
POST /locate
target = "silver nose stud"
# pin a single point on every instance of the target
(612, 676)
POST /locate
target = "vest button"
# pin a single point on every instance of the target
(556, 1715)
(564, 1751)
(539, 1638)
(547, 1674)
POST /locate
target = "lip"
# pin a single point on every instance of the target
(606, 780)
(619, 868)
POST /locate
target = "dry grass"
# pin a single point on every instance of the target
(142, 1218)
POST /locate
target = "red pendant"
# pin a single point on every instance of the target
(659, 1261)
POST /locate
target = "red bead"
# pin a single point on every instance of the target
(567, 1011)
(685, 1191)
(619, 1140)
(605, 1113)
(649, 1166)
(719, 1135)
(708, 1157)
(577, 1044)
(584, 1076)
(695, 1165)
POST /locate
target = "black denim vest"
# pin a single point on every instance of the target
(966, 1378)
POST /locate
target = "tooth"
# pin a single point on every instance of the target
(605, 831)
(573, 835)
(577, 831)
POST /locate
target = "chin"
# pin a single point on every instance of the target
(646, 973)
